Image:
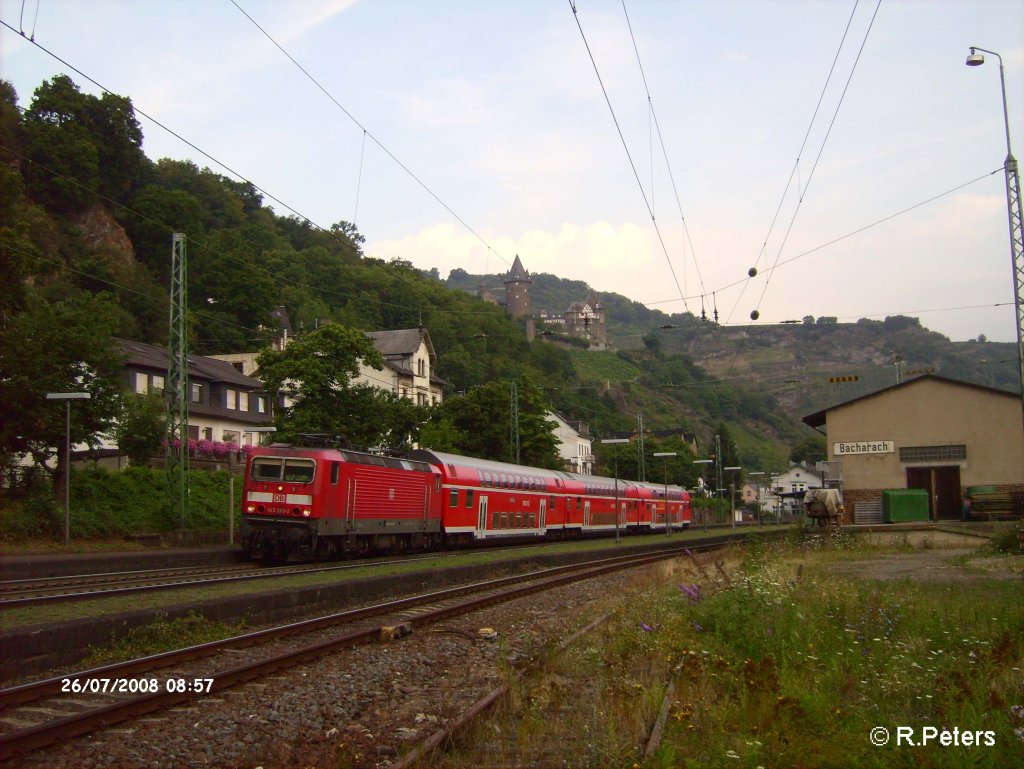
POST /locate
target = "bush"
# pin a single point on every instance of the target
(36, 516)
(1006, 539)
(132, 501)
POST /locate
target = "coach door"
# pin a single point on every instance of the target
(542, 522)
(586, 513)
(481, 517)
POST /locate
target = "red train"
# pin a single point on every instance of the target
(312, 503)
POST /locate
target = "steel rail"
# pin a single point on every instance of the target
(192, 578)
(31, 738)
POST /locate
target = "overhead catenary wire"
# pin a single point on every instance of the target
(316, 289)
(366, 132)
(181, 138)
(821, 150)
(629, 155)
(859, 230)
(664, 151)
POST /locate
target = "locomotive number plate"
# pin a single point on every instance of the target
(279, 497)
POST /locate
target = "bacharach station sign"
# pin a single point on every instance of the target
(863, 447)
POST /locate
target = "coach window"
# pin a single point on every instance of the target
(453, 499)
(299, 470)
(437, 484)
(335, 472)
(469, 497)
(266, 469)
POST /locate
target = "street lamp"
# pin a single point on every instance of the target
(704, 514)
(67, 398)
(666, 455)
(732, 493)
(616, 442)
(1013, 207)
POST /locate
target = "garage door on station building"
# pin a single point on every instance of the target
(943, 487)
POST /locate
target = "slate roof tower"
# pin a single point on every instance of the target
(517, 291)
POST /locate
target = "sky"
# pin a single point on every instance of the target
(788, 137)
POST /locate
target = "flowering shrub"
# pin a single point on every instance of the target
(212, 449)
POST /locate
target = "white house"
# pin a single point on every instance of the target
(408, 366)
(788, 486)
(223, 404)
(574, 444)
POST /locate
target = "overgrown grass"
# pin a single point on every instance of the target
(775, 665)
(805, 668)
(159, 636)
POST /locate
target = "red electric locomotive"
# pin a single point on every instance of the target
(304, 503)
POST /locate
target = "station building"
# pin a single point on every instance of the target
(934, 433)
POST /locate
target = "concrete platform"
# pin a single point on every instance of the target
(65, 564)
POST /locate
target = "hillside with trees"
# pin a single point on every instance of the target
(85, 240)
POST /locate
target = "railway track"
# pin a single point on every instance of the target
(57, 709)
(30, 592)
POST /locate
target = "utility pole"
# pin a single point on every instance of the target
(177, 392)
(1014, 212)
(718, 461)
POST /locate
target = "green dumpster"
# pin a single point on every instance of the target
(900, 505)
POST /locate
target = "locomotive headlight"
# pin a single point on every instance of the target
(250, 509)
(306, 511)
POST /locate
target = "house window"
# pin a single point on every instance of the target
(196, 392)
(955, 453)
(261, 404)
(421, 366)
(243, 401)
(207, 433)
(158, 383)
(231, 399)
(230, 436)
(141, 382)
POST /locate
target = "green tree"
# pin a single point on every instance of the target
(483, 416)
(59, 346)
(440, 433)
(141, 426)
(316, 374)
(82, 145)
(811, 449)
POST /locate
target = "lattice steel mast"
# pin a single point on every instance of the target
(176, 456)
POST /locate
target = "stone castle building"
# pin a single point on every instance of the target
(584, 320)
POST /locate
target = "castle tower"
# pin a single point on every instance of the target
(517, 291)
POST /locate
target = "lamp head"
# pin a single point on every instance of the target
(975, 59)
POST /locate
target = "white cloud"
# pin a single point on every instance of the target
(315, 15)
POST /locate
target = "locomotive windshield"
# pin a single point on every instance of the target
(276, 469)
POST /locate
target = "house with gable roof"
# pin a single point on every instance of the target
(409, 360)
